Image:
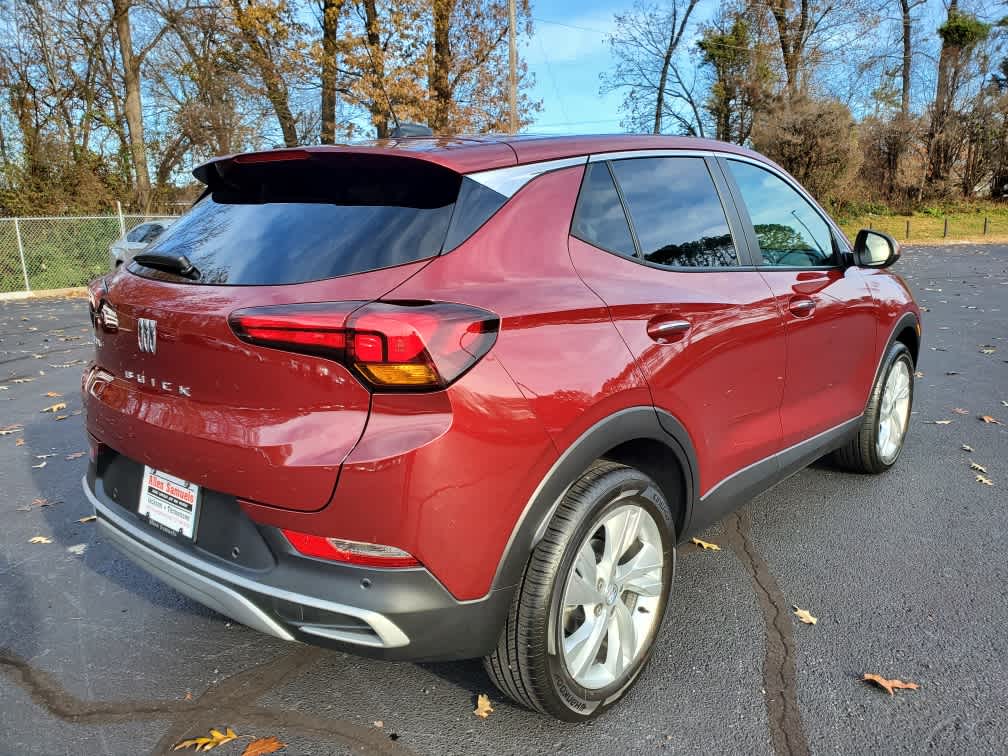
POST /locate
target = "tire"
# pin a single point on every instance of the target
(866, 452)
(539, 642)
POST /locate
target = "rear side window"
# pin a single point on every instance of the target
(676, 212)
(295, 221)
(599, 218)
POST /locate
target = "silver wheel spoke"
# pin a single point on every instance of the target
(581, 648)
(626, 646)
(642, 573)
(582, 588)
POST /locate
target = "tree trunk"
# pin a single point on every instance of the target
(791, 35)
(331, 10)
(276, 87)
(381, 106)
(907, 57)
(440, 73)
(938, 147)
(662, 78)
(133, 105)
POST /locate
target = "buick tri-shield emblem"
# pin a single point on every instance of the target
(147, 335)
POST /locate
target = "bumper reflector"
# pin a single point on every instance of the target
(351, 552)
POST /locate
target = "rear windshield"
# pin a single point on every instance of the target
(291, 222)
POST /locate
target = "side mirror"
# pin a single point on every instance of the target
(873, 249)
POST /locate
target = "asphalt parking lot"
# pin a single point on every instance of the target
(906, 573)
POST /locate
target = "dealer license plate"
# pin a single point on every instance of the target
(169, 503)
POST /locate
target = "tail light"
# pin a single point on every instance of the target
(352, 552)
(390, 345)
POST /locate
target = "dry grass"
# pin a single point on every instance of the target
(925, 229)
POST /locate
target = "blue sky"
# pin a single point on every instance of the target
(566, 53)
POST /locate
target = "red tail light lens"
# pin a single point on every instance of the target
(391, 345)
(352, 552)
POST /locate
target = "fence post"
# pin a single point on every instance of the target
(24, 268)
(945, 232)
(122, 222)
(986, 220)
(908, 229)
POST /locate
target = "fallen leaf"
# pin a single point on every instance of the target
(705, 545)
(53, 394)
(77, 549)
(9, 429)
(919, 374)
(22, 380)
(62, 417)
(805, 616)
(89, 518)
(54, 408)
(262, 746)
(483, 708)
(39, 539)
(985, 480)
(75, 455)
(990, 420)
(39, 466)
(951, 372)
(205, 744)
(986, 351)
(967, 447)
(19, 442)
(941, 422)
(379, 724)
(978, 467)
(889, 685)
(44, 456)
(961, 411)
(1004, 403)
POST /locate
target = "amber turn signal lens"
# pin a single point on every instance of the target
(402, 374)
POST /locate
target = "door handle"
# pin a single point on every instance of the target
(801, 307)
(665, 331)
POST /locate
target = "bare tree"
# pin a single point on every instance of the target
(645, 44)
(132, 60)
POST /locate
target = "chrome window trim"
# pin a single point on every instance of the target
(389, 633)
(507, 181)
(598, 157)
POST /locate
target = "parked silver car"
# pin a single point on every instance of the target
(136, 240)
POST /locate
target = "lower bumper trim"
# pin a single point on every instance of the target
(233, 595)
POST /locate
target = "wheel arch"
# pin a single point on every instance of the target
(907, 331)
(652, 440)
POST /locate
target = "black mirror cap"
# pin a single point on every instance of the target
(875, 249)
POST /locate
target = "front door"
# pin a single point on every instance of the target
(826, 307)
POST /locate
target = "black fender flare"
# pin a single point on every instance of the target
(630, 424)
(908, 319)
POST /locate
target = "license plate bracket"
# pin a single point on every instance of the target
(169, 503)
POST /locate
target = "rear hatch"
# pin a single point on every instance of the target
(174, 388)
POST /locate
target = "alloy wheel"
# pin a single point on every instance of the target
(894, 412)
(611, 597)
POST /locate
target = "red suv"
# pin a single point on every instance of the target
(441, 399)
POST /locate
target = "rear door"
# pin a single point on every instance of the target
(172, 386)
(827, 308)
(700, 321)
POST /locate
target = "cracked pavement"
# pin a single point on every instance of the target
(905, 571)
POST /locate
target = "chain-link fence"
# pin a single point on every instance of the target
(58, 252)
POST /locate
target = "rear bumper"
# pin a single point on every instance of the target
(392, 614)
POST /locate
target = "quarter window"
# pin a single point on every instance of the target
(789, 230)
(676, 212)
(599, 218)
